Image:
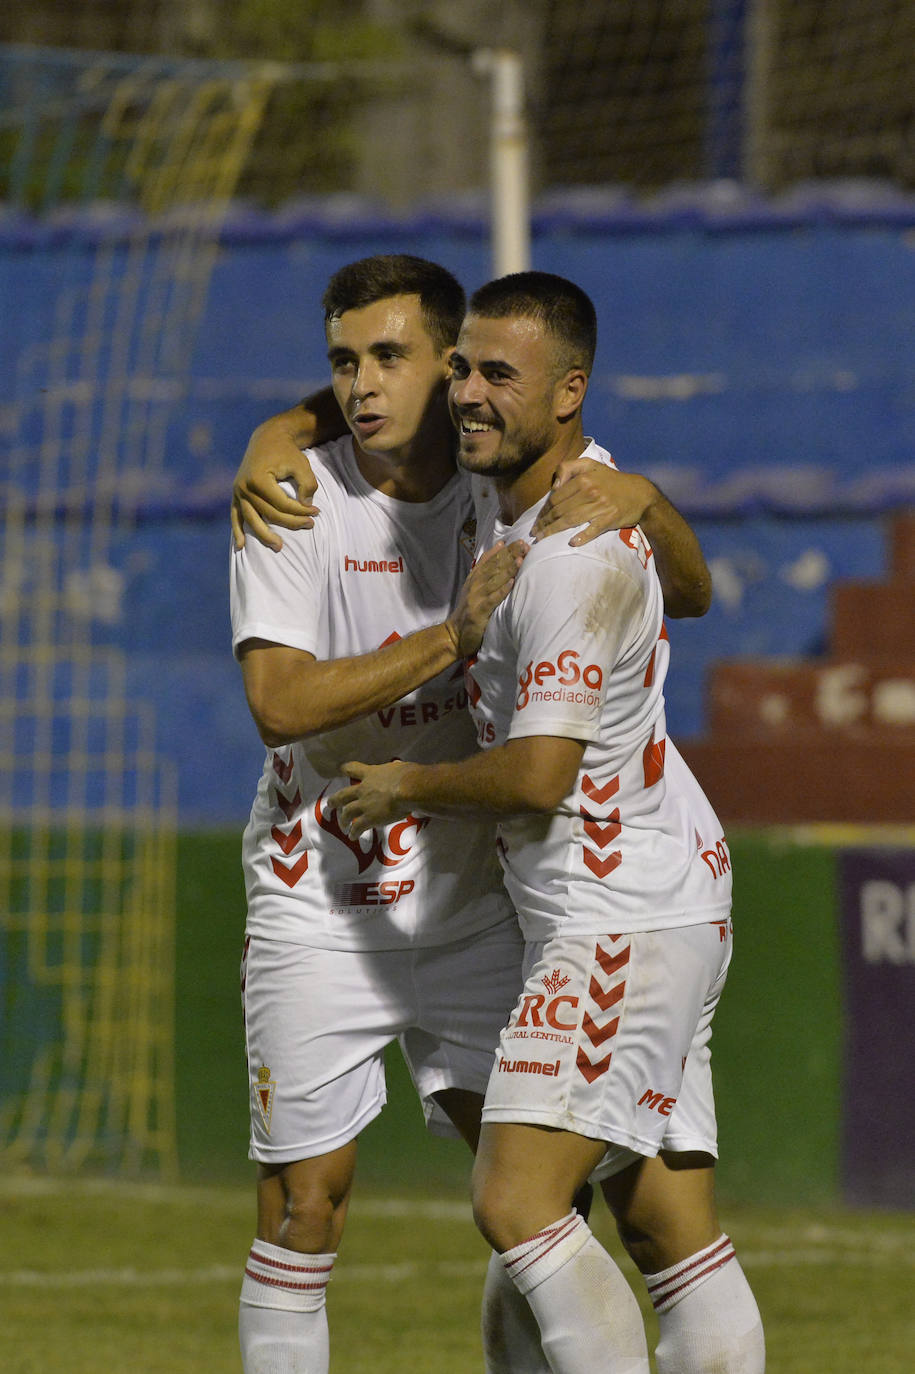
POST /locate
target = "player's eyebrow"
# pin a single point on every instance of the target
(487, 365)
(378, 347)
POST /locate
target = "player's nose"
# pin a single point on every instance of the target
(365, 381)
(468, 391)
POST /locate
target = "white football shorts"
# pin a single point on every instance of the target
(317, 1022)
(610, 1039)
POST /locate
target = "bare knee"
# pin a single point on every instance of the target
(525, 1178)
(649, 1252)
(664, 1208)
(498, 1214)
(302, 1206)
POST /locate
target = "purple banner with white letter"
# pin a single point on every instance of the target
(877, 888)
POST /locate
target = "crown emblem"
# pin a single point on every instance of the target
(264, 1090)
(554, 981)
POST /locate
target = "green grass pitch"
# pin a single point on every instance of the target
(143, 1279)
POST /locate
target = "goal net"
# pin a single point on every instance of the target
(87, 800)
(651, 93)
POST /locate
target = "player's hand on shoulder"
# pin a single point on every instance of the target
(488, 584)
(273, 455)
(586, 492)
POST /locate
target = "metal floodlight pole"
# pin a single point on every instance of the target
(509, 188)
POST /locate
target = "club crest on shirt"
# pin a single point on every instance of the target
(264, 1089)
(554, 981)
(388, 846)
(468, 536)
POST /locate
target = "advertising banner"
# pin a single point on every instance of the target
(877, 894)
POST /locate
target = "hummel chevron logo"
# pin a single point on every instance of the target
(599, 1035)
(611, 963)
(587, 1069)
(649, 671)
(599, 834)
(470, 684)
(288, 805)
(648, 679)
(653, 760)
(282, 767)
(599, 794)
(602, 999)
(605, 1000)
(287, 842)
(290, 875)
(601, 867)
(601, 831)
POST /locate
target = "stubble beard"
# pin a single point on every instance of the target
(509, 460)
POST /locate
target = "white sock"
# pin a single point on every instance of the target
(587, 1313)
(707, 1314)
(282, 1320)
(511, 1336)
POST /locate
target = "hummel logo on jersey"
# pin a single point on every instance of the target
(529, 1066)
(554, 981)
(372, 565)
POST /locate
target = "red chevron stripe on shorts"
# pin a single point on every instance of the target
(611, 963)
(601, 1029)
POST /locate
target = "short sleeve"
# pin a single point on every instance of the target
(571, 618)
(279, 597)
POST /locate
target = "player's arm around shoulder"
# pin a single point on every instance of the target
(605, 499)
(275, 456)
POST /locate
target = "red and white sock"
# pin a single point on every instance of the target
(707, 1315)
(587, 1313)
(282, 1320)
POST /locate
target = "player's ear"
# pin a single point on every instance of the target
(570, 392)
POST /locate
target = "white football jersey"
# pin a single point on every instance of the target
(579, 650)
(373, 569)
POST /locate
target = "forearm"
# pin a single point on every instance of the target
(323, 417)
(308, 697)
(316, 419)
(274, 455)
(459, 789)
(521, 777)
(292, 694)
(298, 424)
(679, 561)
